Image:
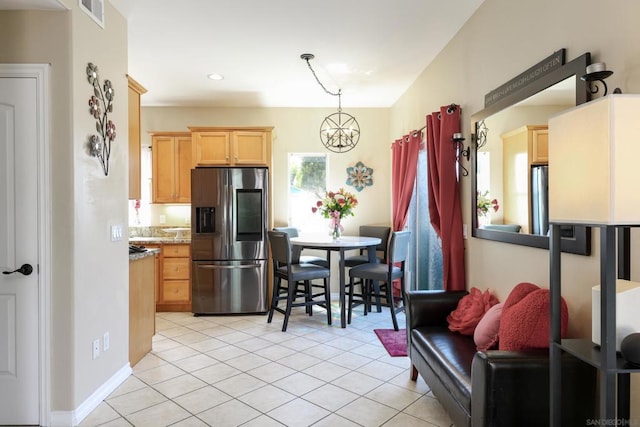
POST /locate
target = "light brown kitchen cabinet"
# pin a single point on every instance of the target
(142, 308)
(171, 167)
(539, 153)
(217, 146)
(156, 269)
(175, 281)
(135, 91)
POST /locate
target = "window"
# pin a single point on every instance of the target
(307, 183)
(483, 177)
(425, 261)
(93, 8)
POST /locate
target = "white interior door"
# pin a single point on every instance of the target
(19, 312)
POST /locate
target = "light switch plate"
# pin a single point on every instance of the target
(116, 233)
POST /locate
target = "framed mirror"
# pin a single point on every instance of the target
(509, 161)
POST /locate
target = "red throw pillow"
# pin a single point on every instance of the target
(487, 332)
(470, 310)
(526, 318)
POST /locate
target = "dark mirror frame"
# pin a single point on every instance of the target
(580, 243)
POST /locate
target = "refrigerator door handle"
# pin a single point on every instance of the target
(231, 212)
(228, 267)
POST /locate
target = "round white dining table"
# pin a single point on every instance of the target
(344, 243)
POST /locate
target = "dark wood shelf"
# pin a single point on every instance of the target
(589, 352)
(613, 371)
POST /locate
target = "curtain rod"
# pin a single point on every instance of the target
(452, 107)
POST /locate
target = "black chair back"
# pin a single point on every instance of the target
(296, 251)
(291, 231)
(380, 232)
(280, 248)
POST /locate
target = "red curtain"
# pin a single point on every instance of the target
(404, 154)
(444, 193)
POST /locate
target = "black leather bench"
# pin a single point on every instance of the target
(489, 388)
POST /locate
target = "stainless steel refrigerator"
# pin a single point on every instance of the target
(540, 200)
(229, 220)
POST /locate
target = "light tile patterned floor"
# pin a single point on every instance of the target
(241, 371)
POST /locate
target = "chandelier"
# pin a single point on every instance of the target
(339, 132)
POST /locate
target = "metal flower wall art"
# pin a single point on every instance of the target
(359, 176)
(100, 105)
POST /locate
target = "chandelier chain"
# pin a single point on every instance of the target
(339, 132)
(338, 94)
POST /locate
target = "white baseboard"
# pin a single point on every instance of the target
(75, 417)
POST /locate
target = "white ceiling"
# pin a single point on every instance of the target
(371, 49)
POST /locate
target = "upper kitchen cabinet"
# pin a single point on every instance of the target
(217, 146)
(171, 167)
(135, 91)
(533, 143)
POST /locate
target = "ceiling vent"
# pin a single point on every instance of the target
(95, 9)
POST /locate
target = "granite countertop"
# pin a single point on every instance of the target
(152, 240)
(139, 255)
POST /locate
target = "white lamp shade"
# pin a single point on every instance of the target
(594, 162)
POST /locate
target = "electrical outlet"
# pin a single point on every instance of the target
(105, 341)
(163, 219)
(96, 349)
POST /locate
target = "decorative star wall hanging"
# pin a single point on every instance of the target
(359, 176)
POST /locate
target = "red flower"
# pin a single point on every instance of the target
(336, 204)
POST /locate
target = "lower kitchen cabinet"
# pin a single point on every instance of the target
(175, 278)
(142, 318)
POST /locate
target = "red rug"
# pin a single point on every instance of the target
(395, 342)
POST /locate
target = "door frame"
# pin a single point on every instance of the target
(40, 72)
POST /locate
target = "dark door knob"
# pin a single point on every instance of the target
(26, 269)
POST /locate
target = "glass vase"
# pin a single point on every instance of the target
(336, 232)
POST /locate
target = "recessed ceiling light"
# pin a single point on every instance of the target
(215, 76)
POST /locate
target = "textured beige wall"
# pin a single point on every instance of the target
(501, 40)
(101, 267)
(89, 288)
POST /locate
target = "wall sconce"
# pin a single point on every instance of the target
(458, 141)
(597, 72)
(339, 132)
(481, 134)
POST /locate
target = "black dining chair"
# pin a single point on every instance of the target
(284, 268)
(382, 249)
(297, 251)
(384, 274)
(378, 231)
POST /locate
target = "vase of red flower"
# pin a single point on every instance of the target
(336, 227)
(334, 206)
